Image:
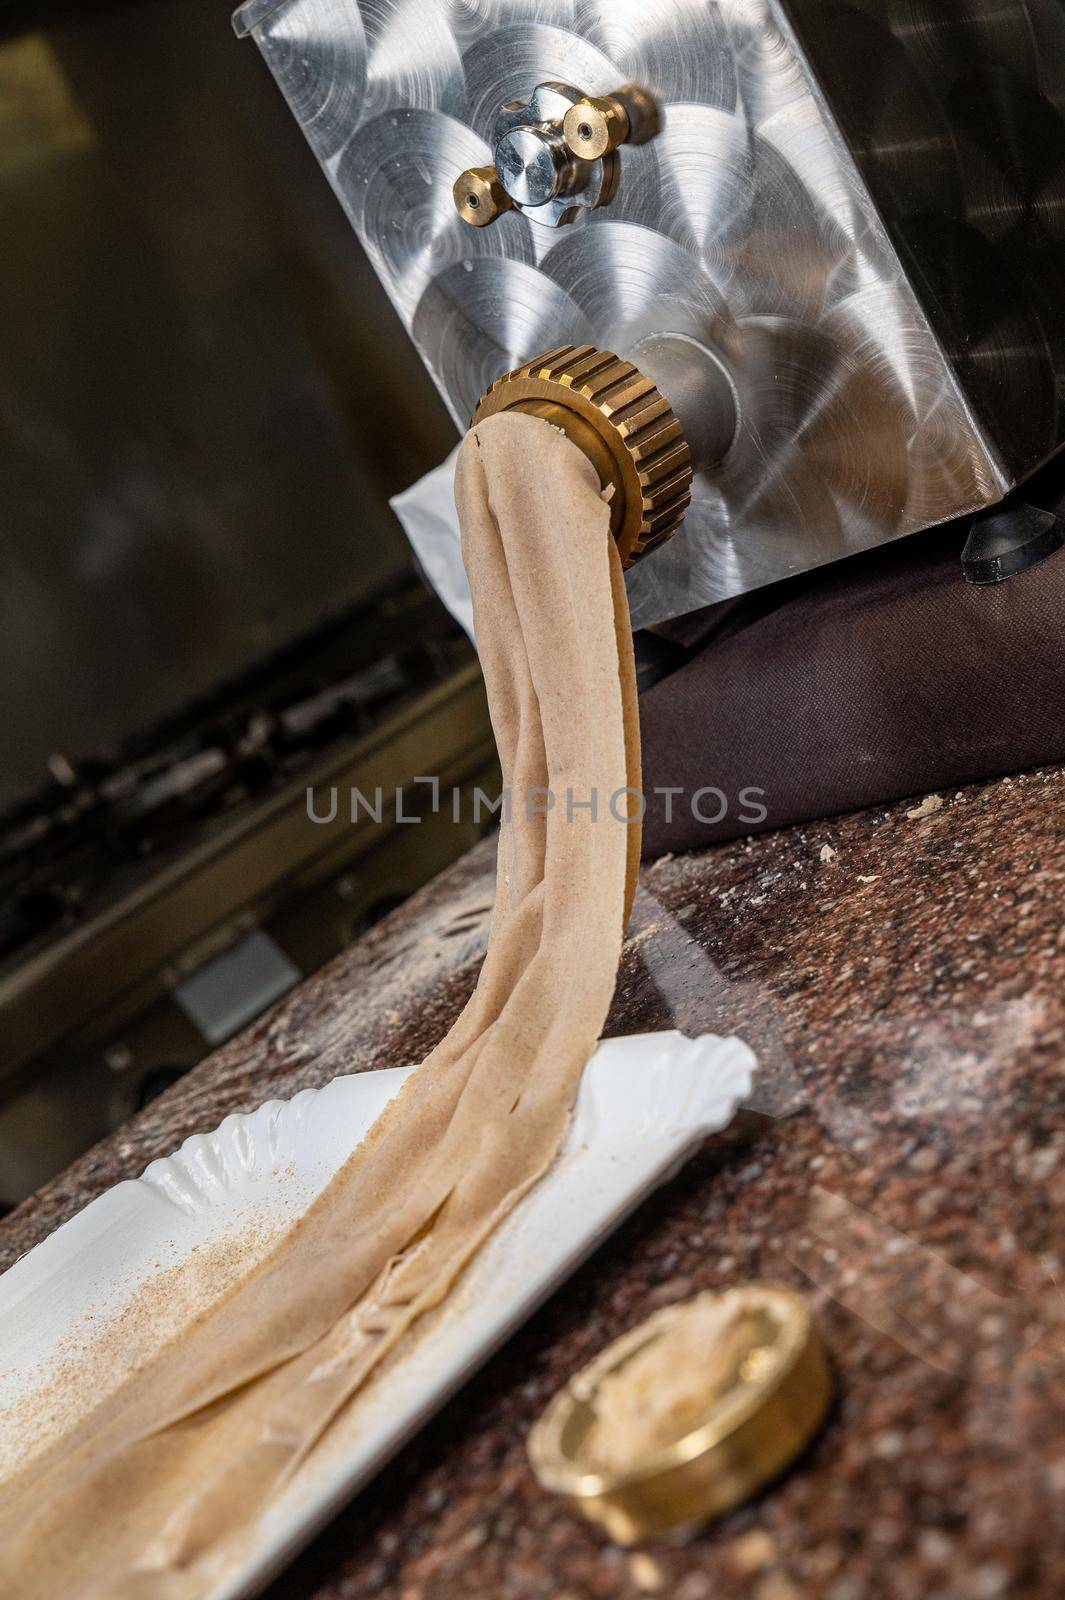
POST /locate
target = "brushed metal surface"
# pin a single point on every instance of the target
(819, 273)
(974, 195)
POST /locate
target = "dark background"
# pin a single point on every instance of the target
(205, 397)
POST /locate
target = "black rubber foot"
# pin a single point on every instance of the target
(1008, 540)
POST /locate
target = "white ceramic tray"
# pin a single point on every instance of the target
(101, 1294)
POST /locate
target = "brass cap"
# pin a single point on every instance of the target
(622, 423)
(479, 196)
(767, 1393)
(600, 123)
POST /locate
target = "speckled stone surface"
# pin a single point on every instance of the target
(903, 1159)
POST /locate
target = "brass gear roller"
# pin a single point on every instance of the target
(621, 422)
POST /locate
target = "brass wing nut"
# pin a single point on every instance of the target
(621, 422)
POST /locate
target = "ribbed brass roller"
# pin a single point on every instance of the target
(623, 424)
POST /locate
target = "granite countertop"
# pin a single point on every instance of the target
(901, 979)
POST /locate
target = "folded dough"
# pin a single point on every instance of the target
(149, 1496)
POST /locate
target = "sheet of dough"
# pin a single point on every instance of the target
(146, 1498)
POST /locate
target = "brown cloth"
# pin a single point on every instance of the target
(884, 676)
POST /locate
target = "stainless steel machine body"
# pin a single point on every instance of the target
(853, 216)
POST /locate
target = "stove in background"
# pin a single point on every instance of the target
(152, 908)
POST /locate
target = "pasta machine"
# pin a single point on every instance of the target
(788, 270)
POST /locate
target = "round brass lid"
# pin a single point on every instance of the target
(622, 423)
(736, 1410)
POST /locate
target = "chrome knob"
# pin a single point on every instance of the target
(555, 154)
(532, 165)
